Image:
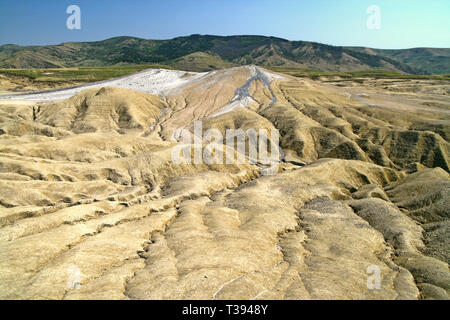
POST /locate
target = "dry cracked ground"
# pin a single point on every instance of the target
(93, 207)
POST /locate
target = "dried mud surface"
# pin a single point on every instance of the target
(89, 194)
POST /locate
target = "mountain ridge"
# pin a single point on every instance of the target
(208, 52)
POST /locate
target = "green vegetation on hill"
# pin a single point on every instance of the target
(433, 60)
(206, 52)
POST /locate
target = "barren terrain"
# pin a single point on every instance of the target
(92, 205)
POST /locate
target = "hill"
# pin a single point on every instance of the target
(207, 52)
(433, 60)
(95, 205)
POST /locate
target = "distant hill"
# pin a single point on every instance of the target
(205, 52)
(432, 60)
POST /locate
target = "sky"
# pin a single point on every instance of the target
(401, 23)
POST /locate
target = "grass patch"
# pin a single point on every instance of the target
(376, 74)
(79, 74)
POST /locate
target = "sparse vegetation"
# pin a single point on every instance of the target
(81, 74)
(354, 75)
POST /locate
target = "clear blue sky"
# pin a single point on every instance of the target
(404, 23)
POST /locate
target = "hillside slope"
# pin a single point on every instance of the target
(433, 60)
(205, 52)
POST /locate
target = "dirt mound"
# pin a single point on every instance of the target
(101, 110)
(93, 205)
